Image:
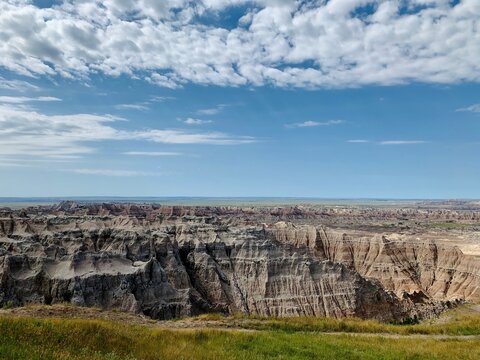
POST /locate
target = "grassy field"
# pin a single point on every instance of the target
(300, 338)
(458, 323)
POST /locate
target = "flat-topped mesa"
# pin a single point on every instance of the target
(179, 261)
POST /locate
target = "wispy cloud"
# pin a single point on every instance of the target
(192, 121)
(387, 142)
(183, 137)
(17, 85)
(401, 142)
(26, 132)
(152, 153)
(472, 108)
(314, 123)
(25, 99)
(144, 105)
(358, 141)
(141, 107)
(116, 173)
(11, 164)
(18, 161)
(213, 110)
(161, 98)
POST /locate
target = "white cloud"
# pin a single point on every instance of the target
(358, 141)
(161, 98)
(11, 164)
(402, 142)
(25, 131)
(162, 81)
(314, 123)
(116, 173)
(213, 110)
(182, 137)
(25, 99)
(145, 105)
(152, 153)
(472, 108)
(48, 160)
(17, 85)
(140, 107)
(192, 121)
(277, 42)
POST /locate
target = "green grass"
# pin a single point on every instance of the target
(28, 338)
(453, 225)
(461, 324)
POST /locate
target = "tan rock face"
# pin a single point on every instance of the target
(400, 263)
(175, 261)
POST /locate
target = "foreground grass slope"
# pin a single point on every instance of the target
(35, 338)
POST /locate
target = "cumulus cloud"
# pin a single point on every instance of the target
(335, 43)
(163, 81)
(25, 131)
(314, 123)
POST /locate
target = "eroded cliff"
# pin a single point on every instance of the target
(176, 261)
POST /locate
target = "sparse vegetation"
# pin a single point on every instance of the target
(8, 305)
(454, 225)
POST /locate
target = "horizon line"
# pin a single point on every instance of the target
(66, 198)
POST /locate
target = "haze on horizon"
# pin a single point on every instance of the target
(236, 98)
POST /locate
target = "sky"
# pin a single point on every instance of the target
(237, 98)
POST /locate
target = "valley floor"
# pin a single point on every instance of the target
(67, 332)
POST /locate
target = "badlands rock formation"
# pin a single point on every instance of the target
(166, 261)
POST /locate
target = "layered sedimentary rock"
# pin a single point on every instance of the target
(177, 261)
(401, 263)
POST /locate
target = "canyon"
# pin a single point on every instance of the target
(390, 264)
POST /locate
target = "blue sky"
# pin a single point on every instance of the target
(222, 107)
